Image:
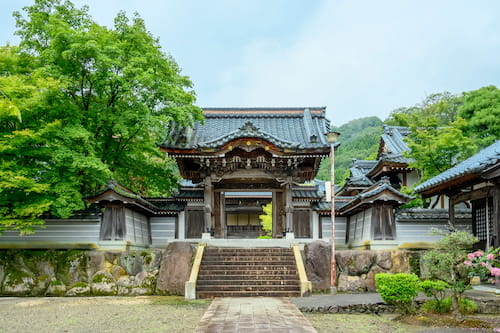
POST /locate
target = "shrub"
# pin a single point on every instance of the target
(399, 290)
(466, 306)
(434, 289)
(444, 263)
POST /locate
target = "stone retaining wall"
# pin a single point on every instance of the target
(84, 273)
(356, 269)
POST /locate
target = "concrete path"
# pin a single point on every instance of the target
(253, 314)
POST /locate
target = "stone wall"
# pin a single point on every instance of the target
(83, 273)
(356, 269)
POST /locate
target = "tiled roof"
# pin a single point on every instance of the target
(430, 214)
(307, 193)
(167, 205)
(284, 127)
(380, 187)
(393, 137)
(153, 205)
(361, 167)
(326, 206)
(360, 181)
(189, 194)
(473, 165)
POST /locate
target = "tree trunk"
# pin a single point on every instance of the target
(455, 299)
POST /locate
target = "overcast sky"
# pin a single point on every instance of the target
(357, 58)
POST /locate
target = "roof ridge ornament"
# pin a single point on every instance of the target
(249, 126)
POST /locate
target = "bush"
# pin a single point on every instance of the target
(466, 306)
(399, 290)
(434, 289)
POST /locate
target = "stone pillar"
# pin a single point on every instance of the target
(208, 205)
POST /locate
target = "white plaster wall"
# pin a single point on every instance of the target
(340, 229)
(56, 232)
(162, 230)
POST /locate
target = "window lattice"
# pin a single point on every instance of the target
(480, 217)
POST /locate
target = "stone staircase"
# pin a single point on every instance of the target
(237, 272)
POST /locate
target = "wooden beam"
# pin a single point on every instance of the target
(472, 195)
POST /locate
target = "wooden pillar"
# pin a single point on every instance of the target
(275, 214)
(217, 215)
(288, 207)
(451, 213)
(279, 211)
(208, 204)
(495, 218)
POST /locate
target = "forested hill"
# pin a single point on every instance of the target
(359, 139)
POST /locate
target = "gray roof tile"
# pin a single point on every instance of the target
(285, 127)
(393, 137)
(473, 165)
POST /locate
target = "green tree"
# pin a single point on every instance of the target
(435, 149)
(359, 139)
(442, 263)
(481, 109)
(267, 219)
(443, 107)
(80, 103)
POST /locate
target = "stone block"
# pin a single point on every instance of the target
(349, 283)
(355, 262)
(175, 268)
(317, 264)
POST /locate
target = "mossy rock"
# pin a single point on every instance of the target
(103, 289)
(40, 288)
(18, 283)
(73, 267)
(79, 289)
(56, 288)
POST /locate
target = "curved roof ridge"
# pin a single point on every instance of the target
(473, 165)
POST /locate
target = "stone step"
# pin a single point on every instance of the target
(231, 272)
(218, 275)
(241, 251)
(249, 267)
(208, 294)
(247, 258)
(246, 288)
(254, 282)
(231, 263)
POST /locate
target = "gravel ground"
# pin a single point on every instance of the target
(100, 314)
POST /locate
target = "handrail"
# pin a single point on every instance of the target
(305, 285)
(190, 286)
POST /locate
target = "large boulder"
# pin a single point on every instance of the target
(18, 283)
(103, 284)
(317, 256)
(370, 278)
(349, 283)
(56, 288)
(175, 268)
(135, 262)
(355, 262)
(2, 275)
(78, 289)
(400, 261)
(384, 259)
(95, 262)
(75, 268)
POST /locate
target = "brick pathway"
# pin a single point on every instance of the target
(253, 314)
